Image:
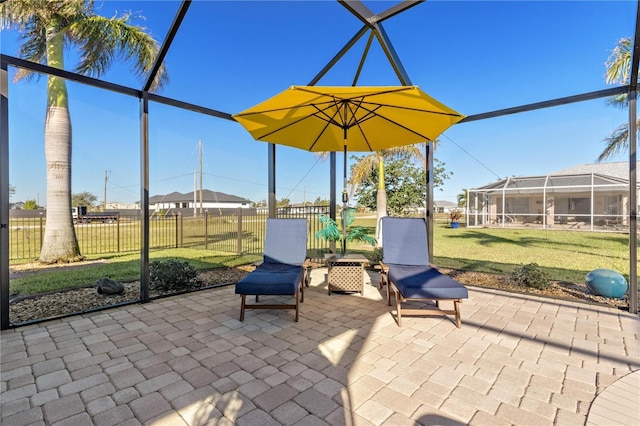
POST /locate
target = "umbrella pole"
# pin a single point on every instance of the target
(345, 199)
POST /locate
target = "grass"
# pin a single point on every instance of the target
(563, 255)
(121, 268)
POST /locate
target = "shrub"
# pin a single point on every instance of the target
(376, 256)
(172, 275)
(530, 275)
(455, 214)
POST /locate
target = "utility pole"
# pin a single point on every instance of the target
(106, 178)
(200, 149)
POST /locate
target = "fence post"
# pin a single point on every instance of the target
(178, 222)
(206, 230)
(118, 234)
(239, 245)
(41, 233)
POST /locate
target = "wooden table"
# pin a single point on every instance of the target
(345, 272)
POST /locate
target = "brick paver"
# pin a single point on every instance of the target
(187, 360)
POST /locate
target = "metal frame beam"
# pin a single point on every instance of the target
(4, 196)
(173, 29)
(339, 55)
(362, 12)
(633, 172)
(112, 87)
(547, 104)
(392, 56)
(71, 76)
(144, 198)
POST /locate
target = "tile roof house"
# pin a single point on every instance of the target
(210, 200)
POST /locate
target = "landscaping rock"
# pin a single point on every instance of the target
(109, 287)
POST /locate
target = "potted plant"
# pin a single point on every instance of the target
(331, 230)
(454, 216)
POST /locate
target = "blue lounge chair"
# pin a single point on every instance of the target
(406, 271)
(283, 269)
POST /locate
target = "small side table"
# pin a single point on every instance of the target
(346, 272)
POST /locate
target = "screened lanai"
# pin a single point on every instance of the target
(573, 202)
(219, 70)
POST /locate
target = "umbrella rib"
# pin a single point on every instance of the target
(357, 122)
(326, 118)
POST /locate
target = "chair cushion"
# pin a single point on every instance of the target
(425, 282)
(405, 241)
(285, 241)
(271, 279)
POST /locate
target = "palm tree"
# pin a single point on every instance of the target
(618, 72)
(48, 28)
(462, 197)
(363, 170)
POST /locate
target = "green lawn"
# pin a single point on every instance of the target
(564, 255)
(121, 268)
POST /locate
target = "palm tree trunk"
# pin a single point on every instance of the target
(60, 243)
(381, 201)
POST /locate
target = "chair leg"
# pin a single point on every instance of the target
(301, 292)
(307, 276)
(399, 308)
(242, 304)
(297, 306)
(384, 280)
(456, 307)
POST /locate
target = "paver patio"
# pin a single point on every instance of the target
(188, 360)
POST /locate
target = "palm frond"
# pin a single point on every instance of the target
(101, 40)
(619, 63)
(359, 233)
(16, 14)
(616, 142)
(362, 170)
(620, 101)
(330, 230)
(33, 48)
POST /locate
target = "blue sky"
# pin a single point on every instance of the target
(474, 56)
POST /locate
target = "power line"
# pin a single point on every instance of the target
(470, 155)
(302, 178)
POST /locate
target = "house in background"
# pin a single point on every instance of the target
(444, 206)
(116, 206)
(213, 202)
(588, 196)
(439, 206)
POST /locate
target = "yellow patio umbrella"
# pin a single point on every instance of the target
(348, 118)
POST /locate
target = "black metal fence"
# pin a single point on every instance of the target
(239, 232)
